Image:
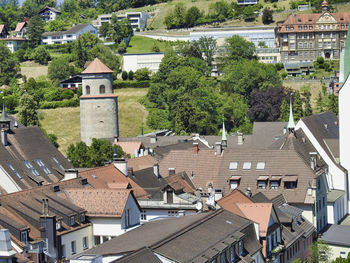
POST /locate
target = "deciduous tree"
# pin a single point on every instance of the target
(28, 110)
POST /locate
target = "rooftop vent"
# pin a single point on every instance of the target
(56, 188)
(84, 181)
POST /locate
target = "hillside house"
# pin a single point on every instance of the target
(21, 29)
(62, 37)
(49, 13)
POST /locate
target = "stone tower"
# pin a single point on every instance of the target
(98, 104)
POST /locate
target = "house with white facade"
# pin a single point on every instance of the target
(116, 214)
(21, 29)
(62, 37)
(13, 43)
(138, 20)
(137, 61)
(49, 13)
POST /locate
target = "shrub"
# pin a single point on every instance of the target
(131, 75)
(124, 75)
(117, 84)
(142, 74)
(67, 94)
(74, 102)
(41, 55)
(53, 94)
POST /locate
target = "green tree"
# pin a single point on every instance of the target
(142, 74)
(35, 29)
(120, 29)
(9, 65)
(105, 29)
(67, 94)
(319, 252)
(57, 25)
(238, 48)
(284, 116)
(78, 155)
(131, 75)
(298, 111)
(60, 69)
(176, 17)
(99, 152)
(28, 110)
(207, 46)
(41, 55)
(106, 55)
(124, 75)
(267, 16)
(192, 15)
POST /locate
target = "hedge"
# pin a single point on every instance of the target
(59, 104)
(120, 84)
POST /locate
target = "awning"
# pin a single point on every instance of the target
(275, 178)
(263, 178)
(235, 177)
(290, 178)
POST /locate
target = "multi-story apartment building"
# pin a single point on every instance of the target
(304, 37)
(137, 19)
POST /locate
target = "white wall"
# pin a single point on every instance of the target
(335, 251)
(147, 60)
(134, 212)
(344, 126)
(336, 211)
(77, 236)
(107, 226)
(308, 212)
(7, 182)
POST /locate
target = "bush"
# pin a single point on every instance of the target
(74, 102)
(117, 84)
(67, 94)
(53, 94)
(131, 75)
(124, 75)
(142, 74)
(122, 48)
(41, 55)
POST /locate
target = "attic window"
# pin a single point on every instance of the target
(31, 168)
(247, 165)
(71, 221)
(82, 218)
(233, 165)
(13, 170)
(42, 166)
(58, 163)
(260, 166)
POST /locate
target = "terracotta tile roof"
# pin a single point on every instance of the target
(130, 147)
(100, 177)
(142, 162)
(181, 181)
(202, 167)
(20, 26)
(96, 66)
(100, 202)
(311, 19)
(13, 38)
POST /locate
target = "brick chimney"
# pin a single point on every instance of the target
(195, 147)
(121, 165)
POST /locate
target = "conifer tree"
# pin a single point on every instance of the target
(284, 116)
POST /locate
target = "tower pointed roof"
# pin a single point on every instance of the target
(223, 137)
(4, 117)
(97, 66)
(291, 124)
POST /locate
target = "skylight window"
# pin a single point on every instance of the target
(233, 165)
(14, 170)
(260, 166)
(31, 168)
(57, 162)
(43, 166)
(247, 165)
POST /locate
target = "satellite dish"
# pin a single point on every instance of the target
(199, 206)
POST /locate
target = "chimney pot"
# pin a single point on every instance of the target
(218, 148)
(313, 162)
(121, 165)
(240, 138)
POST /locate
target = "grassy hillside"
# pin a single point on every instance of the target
(33, 70)
(65, 122)
(315, 88)
(140, 44)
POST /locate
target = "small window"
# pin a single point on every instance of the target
(31, 168)
(58, 225)
(247, 165)
(43, 166)
(14, 170)
(87, 90)
(143, 215)
(342, 254)
(240, 248)
(82, 218)
(63, 249)
(233, 184)
(85, 243)
(260, 166)
(233, 165)
(232, 254)
(290, 185)
(261, 184)
(102, 89)
(172, 213)
(73, 247)
(24, 237)
(71, 221)
(58, 163)
(274, 185)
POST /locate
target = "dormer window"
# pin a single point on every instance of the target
(234, 181)
(274, 185)
(240, 248)
(290, 181)
(24, 237)
(58, 225)
(71, 221)
(261, 184)
(82, 218)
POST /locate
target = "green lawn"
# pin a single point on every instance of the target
(140, 44)
(65, 122)
(30, 69)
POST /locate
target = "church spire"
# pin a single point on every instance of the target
(223, 137)
(291, 124)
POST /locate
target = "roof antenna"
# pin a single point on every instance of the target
(291, 124)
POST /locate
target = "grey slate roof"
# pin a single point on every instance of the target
(194, 236)
(72, 30)
(142, 255)
(266, 133)
(337, 235)
(30, 144)
(334, 195)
